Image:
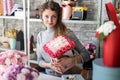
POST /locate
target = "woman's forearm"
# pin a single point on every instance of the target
(45, 65)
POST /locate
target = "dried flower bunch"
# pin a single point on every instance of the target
(11, 33)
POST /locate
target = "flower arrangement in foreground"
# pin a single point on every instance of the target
(11, 57)
(20, 72)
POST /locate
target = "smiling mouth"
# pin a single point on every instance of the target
(50, 23)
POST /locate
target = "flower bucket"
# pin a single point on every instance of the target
(111, 44)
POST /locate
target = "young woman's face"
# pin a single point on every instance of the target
(49, 18)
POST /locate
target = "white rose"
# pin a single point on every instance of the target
(7, 61)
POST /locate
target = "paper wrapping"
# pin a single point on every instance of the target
(111, 44)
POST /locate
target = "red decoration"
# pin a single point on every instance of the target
(111, 44)
(58, 46)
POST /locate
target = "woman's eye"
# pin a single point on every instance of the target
(46, 16)
(54, 17)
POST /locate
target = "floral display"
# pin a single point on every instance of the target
(91, 48)
(104, 30)
(11, 57)
(58, 46)
(20, 72)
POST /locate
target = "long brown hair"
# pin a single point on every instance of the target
(60, 28)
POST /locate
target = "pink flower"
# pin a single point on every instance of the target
(20, 76)
(25, 71)
(14, 60)
(34, 74)
(90, 46)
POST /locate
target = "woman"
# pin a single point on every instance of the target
(51, 15)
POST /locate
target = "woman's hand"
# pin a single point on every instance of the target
(62, 64)
(64, 61)
(56, 67)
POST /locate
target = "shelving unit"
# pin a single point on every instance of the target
(17, 22)
(33, 22)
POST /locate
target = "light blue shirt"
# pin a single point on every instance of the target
(47, 35)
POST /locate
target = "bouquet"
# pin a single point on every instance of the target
(11, 57)
(20, 72)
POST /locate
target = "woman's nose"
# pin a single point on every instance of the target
(50, 19)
